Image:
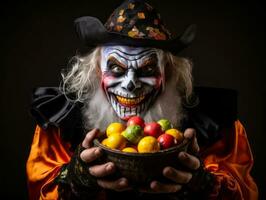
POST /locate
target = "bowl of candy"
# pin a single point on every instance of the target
(141, 150)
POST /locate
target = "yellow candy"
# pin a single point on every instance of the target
(130, 150)
(104, 142)
(148, 144)
(115, 141)
(115, 127)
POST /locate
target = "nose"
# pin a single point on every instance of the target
(130, 86)
(130, 82)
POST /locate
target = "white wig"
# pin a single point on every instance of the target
(84, 80)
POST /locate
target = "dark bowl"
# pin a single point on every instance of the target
(141, 168)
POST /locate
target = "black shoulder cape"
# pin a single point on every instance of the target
(216, 109)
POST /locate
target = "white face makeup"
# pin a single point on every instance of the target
(131, 78)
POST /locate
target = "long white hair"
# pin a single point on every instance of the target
(84, 80)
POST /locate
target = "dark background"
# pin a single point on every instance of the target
(37, 40)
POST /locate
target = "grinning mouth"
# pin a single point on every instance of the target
(126, 106)
(129, 102)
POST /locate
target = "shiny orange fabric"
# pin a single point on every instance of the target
(230, 159)
(48, 153)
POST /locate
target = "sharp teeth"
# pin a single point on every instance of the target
(130, 101)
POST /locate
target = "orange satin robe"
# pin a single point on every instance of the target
(230, 159)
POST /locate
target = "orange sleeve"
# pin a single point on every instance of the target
(231, 160)
(48, 153)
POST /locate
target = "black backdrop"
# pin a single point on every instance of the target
(37, 40)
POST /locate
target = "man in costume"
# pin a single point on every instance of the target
(134, 70)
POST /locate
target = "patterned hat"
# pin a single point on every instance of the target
(133, 23)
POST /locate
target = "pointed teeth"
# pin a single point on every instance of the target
(130, 101)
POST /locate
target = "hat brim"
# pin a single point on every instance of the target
(93, 33)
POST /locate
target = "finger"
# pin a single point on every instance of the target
(190, 134)
(102, 170)
(177, 176)
(189, 160)
(91, 154)
(87, 142)
(194, 145)
(118, 185)
(164, 188)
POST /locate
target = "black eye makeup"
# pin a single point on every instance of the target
(115, 67)
(148, 70)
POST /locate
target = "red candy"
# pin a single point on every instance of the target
(136, 120)
(166, 141)
(153, 129)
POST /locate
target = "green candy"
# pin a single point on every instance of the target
(133, 133)
(165, 124)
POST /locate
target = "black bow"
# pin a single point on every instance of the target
(51, 108)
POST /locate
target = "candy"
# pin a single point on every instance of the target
(148, 144)
(136, 120)
(115, 127)
(133, 133)
(129, 150)
(153, 129)
(176, 134)
(115, 141)
(165, 124)
(166, 141)
(137, 136)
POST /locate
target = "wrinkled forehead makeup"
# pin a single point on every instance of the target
(128, 56)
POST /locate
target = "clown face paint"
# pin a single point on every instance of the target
(131, 78)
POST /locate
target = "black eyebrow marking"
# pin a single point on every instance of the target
(145, 50)
(143, 55)
(152, 60)
(113, 60)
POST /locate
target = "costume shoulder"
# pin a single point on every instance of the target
(50, 107)
(215, 109)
